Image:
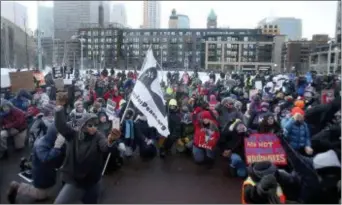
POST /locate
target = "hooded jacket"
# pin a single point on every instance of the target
(20, 103)
(84, 155)
(309, 171)
(46, 159)
(318, 116)
(298, 135)
(201, 133)
(14, 119)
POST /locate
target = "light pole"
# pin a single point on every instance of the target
(329, 56)
(81, 40)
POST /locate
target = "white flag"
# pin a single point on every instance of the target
(148, 98)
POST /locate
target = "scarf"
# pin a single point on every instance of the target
(129, 131)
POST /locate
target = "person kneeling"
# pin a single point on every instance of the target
(47, 156)
(232, 146)
(86, 146)
(205, 139)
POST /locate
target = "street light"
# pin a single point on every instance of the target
(81, 40)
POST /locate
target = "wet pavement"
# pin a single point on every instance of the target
(173, 180)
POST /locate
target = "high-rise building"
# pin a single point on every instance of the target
(118, 14)
(173, 20)
(70, 15)
(338, 22)
(15, 13)
(183, 21)
(178, 20)
(212, 20)
(45, 20)
(289, 26)
(151, 14)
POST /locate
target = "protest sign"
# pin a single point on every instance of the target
(22, 80)
(57, 72)
(110, 109)
(252, 93)
(68, 70)
(327, 96)
(258, 85)
(264, 147)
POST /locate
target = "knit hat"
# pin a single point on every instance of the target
(300, 104)
(206, 115)
(296, 110)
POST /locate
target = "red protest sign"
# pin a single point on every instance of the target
(264, 147)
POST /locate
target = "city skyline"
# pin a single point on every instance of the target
(246, 17)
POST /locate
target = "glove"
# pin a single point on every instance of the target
(59, 142)
(267, 184)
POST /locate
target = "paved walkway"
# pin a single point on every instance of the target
(174, 180)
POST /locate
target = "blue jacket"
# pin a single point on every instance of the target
(45, 159)
(298, 135)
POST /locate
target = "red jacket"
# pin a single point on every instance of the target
(200, 132)
(116, 99)
(15, 119)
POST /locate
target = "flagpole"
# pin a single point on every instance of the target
(123, 115)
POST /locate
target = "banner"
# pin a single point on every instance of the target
(22, 80)
(327, 96)
(264, 147)
(68, 70)
(148, 97)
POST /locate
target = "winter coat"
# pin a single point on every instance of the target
(85, 154)
(231, 140)
(116, 99)
(317, 117)
(298, 135)
(306, 180)
(46, 159)
(201, 132)
(175, 125)
(21, 104)
(227, 115)
(14, 119)
(327, 139)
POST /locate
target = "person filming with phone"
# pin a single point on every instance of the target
(84, 161)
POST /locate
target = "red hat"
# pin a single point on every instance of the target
(296, 110)
(206, 115)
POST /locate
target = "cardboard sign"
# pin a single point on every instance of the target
(327, 96)
(258, 85)
(116, 123)
(59, 84)
(110, 109)
(264, 147)
(57, 72)
(22, 80)
(252, 93)
(39, 76)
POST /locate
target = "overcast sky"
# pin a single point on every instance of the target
(317, 16)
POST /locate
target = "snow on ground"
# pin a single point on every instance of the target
(5, 80)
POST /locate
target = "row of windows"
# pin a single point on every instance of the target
(231, 46)
(160, 33)
(184, 33)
